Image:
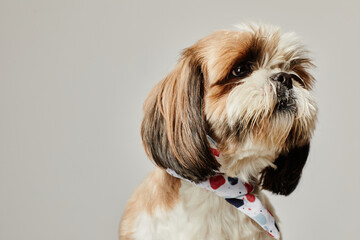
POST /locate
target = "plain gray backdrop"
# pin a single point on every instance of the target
(74, 75)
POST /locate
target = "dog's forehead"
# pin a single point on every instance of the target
(265, 48)
(220, 50)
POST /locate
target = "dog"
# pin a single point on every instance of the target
(237, 108)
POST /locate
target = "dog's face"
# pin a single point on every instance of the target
(250, 90)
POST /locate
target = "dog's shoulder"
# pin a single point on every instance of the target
(159, 191)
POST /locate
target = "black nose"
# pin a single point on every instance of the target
(284, 78)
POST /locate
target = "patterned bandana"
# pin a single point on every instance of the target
(237, 194)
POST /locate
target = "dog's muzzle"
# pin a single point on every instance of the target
(284, 85)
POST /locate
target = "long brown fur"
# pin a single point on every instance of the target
(174, 128)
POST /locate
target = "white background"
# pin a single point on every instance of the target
(74, 75)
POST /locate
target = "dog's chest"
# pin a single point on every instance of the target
(199, 214)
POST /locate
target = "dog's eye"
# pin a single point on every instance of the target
(241, 70)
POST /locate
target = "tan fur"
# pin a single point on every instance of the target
(159, 190)
(229, 46)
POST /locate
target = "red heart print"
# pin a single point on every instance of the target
(216, 181)
(250, 197)
(215, 152)
(249, 187)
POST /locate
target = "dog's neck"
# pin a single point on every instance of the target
(246, 160)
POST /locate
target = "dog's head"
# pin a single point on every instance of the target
(250, 90)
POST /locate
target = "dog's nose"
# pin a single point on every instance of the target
(284, 78)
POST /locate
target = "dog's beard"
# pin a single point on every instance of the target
(261, 107)
(265, 111)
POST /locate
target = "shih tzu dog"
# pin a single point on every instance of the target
(234, 117)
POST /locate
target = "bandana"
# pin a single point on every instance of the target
(238, 194)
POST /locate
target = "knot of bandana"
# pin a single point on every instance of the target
(237, 194)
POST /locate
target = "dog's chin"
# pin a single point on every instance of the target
(285, 106)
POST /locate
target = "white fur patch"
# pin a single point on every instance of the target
(199, 215)
(252, 99)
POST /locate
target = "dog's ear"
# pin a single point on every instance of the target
(284, 179)
(174, 129)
